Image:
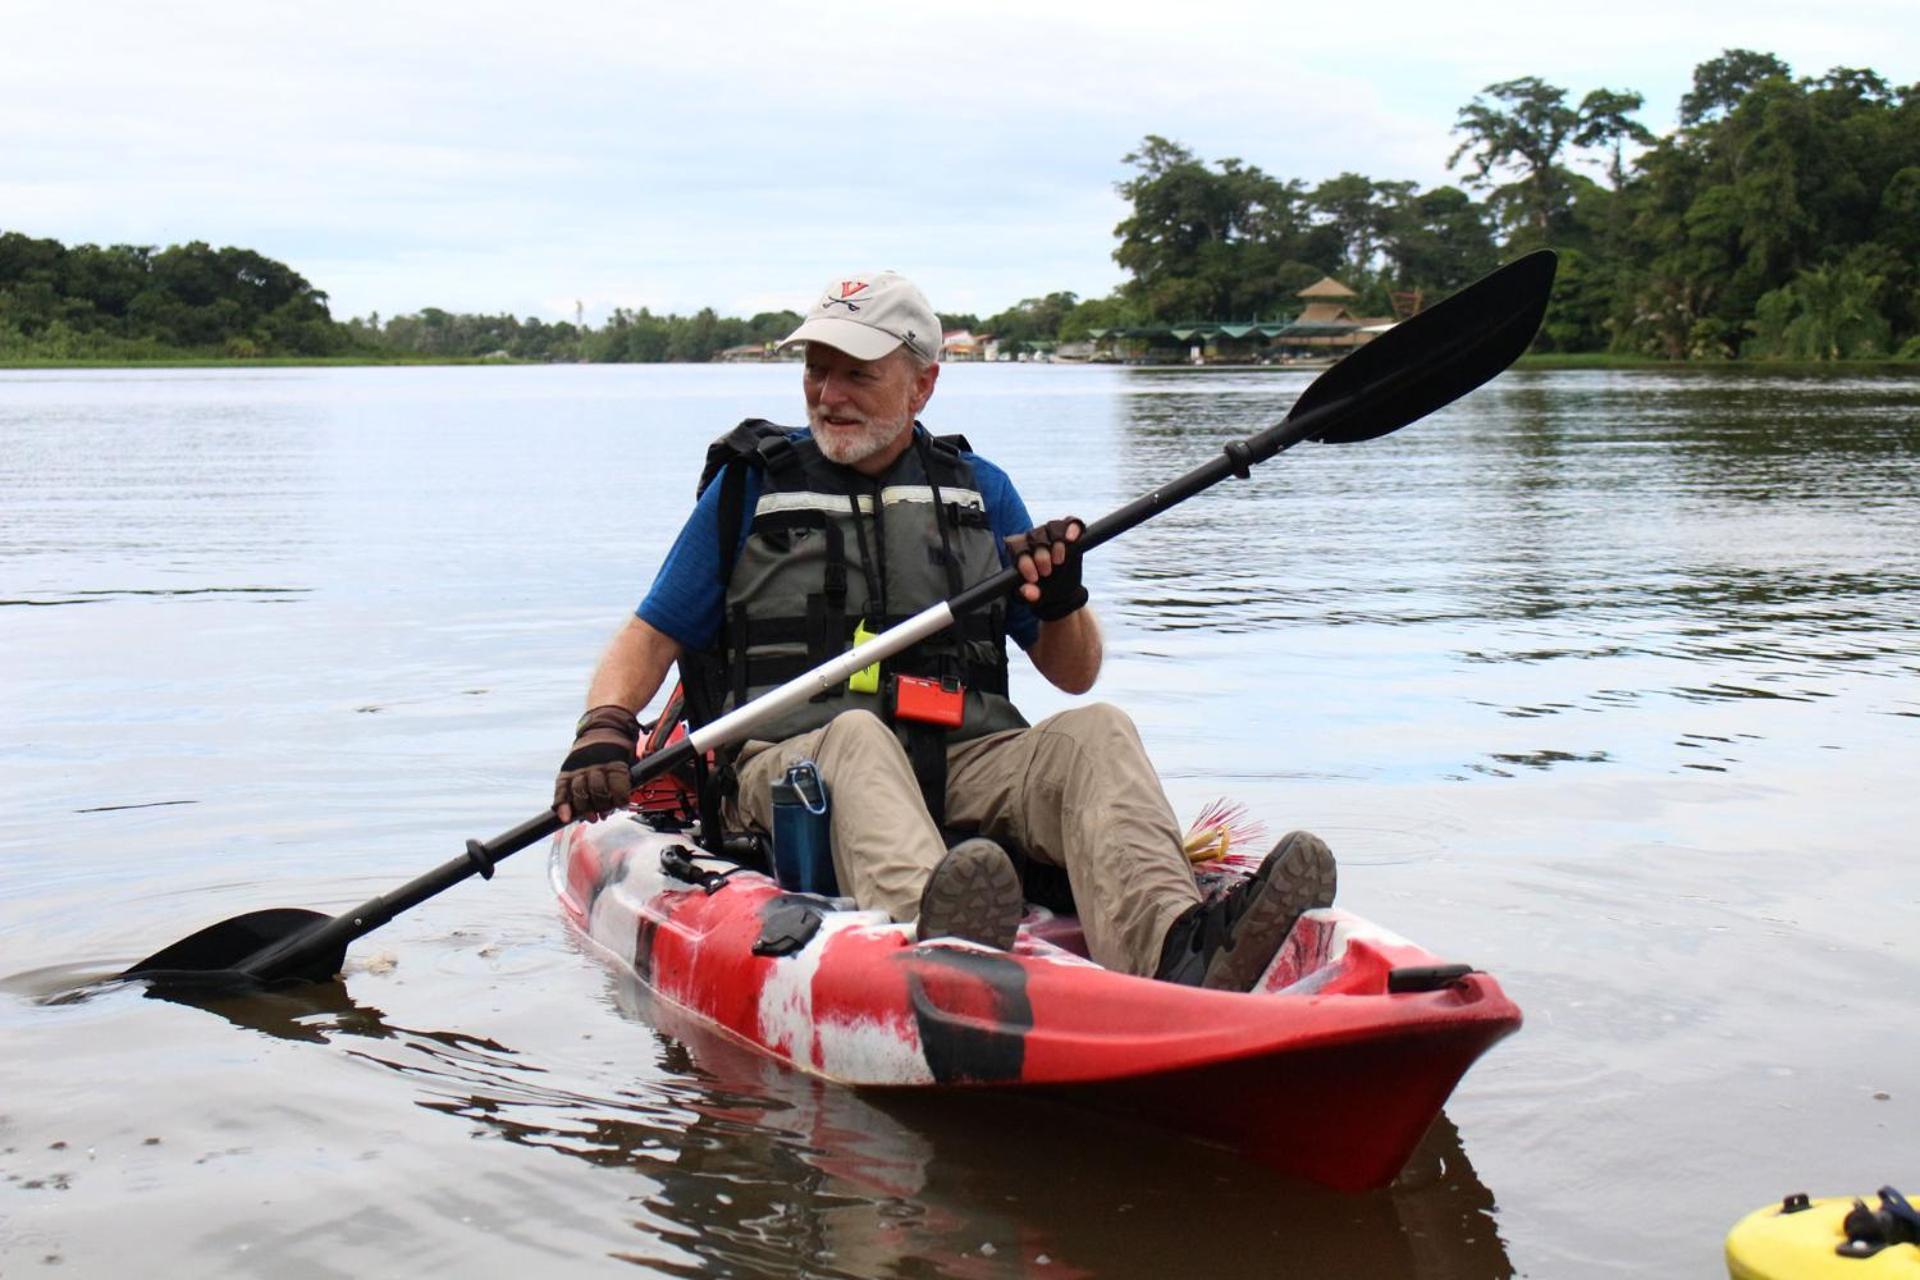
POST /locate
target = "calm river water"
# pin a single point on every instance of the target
(1604, 682)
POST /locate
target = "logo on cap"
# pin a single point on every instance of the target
(848, 289)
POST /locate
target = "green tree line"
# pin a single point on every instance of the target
(134, 303)
(129, 302)
(627, 337)
(1781, 219)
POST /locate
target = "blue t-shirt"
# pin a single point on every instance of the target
(687, 598)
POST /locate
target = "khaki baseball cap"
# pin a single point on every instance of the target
(869, 315)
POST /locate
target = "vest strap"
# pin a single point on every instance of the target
(926, 747)
(737, 641)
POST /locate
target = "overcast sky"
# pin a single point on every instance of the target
(487, 156)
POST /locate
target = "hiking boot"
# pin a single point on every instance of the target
(973, 893)
(1227, 942)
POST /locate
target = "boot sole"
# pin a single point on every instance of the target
(1299, 876)
(974, 893)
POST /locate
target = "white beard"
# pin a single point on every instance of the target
(848, 446)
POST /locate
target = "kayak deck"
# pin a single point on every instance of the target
(1322, 1071)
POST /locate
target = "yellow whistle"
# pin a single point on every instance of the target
(867, 679)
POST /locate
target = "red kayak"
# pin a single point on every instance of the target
(1331, 1069)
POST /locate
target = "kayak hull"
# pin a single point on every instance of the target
(1320, 1072)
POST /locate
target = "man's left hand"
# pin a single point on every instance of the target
(1049, 571)
(594, 778)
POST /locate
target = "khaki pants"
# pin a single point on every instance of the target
(1075, 790)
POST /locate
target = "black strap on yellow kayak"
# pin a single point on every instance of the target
(1871, 1230)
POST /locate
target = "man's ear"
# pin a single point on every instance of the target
(923, 387)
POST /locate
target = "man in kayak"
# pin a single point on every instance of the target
(818, 538)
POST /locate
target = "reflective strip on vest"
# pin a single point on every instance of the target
(924, 493)
(771, 503)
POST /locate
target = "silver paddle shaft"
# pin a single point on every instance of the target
(738, 724)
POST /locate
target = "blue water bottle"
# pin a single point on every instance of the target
(802, 843)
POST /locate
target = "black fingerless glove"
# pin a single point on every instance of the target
(1060, 590)
(595, 778)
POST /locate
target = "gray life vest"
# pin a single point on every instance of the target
(829, 549)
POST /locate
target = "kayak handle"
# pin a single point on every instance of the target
(1426, 977)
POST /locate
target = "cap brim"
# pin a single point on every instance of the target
(861, 341)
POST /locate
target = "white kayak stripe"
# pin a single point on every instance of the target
(860, 1051)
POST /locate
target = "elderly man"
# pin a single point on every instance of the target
(838, 531)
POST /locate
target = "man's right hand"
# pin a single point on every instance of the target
(1049, 571)
(595, 777)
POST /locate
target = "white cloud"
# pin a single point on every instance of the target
(480, 157)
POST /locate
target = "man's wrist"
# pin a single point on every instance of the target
(1065, 605)
(609, 716)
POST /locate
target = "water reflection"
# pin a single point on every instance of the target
(1644, 546)
(902, 1183)
(751, 1169)
(313, 1012)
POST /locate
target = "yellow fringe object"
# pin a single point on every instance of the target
(1221, 825)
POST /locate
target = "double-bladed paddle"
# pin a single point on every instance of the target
(1406, 373)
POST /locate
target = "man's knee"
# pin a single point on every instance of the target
(858, 724)
(1095, 722)
(859, 737)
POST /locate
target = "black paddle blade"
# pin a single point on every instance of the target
(215, 955)
(1437, 356)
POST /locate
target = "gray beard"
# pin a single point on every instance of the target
(848, 448)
